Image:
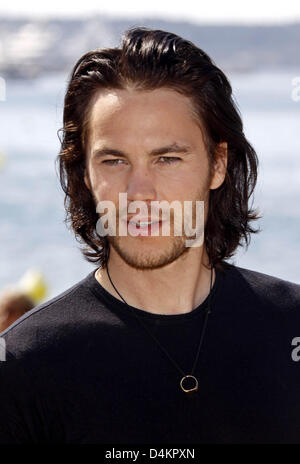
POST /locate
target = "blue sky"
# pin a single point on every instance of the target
(229, 11)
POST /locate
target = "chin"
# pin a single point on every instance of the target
(144, 255)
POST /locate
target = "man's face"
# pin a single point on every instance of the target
(138, 124)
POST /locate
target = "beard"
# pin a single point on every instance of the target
(149, 259)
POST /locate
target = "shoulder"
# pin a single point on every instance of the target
(269, 291)
(45, 323)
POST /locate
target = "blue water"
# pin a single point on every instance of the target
(33, 234)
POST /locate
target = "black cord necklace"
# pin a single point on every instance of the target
(186, 377)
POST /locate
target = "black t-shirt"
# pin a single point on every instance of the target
(80, 368)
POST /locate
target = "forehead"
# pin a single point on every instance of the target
(142, 116)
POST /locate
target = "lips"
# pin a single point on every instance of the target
(143, 224)
(143, 220)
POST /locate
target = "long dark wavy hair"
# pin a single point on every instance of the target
(151, 59)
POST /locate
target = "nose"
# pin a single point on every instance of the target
(141, 185)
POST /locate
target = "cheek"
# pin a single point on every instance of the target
(185, 186)
(105, 190)
(101, 185)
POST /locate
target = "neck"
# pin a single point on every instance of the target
(177, 288)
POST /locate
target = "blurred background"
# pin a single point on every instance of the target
(258, 49)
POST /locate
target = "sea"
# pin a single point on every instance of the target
(33, 234)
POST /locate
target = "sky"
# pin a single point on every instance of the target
(229, 11)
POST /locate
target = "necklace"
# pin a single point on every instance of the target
(186, 378)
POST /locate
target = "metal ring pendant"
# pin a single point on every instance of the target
(188, 390)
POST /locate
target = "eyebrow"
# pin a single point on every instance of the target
(172, 148)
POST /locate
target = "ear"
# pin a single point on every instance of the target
(220, 166)
(87, 180)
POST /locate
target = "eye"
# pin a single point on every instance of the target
(169, 159)
(112, 162)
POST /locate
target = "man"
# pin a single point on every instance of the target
(163, 343)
